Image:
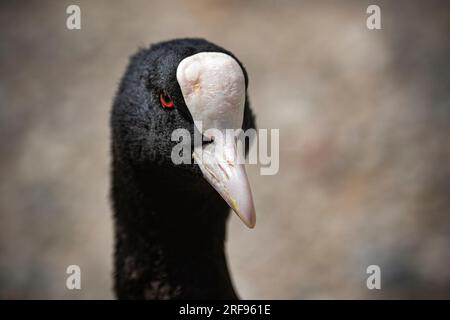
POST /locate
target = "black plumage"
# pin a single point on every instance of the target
(170, 224)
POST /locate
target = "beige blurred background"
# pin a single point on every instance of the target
(364, 119)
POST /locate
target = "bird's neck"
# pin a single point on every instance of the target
(170, 245)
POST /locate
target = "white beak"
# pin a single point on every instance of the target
(213, 87)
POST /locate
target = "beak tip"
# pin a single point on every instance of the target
(231, 183)
(249, 222)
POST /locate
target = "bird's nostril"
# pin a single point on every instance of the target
(206, 141)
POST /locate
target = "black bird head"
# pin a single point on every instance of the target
(175, 85)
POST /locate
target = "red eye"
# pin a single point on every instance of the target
(165, 101)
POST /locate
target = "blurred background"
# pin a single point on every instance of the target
(364, 119)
